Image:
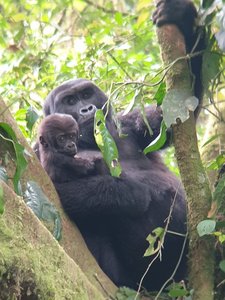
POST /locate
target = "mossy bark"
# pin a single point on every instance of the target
(32, 263)
(71, 240)
(195, 181)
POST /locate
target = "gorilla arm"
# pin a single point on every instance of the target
(98, 195)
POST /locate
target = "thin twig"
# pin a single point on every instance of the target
(161, 246)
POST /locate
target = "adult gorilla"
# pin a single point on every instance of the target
(115, 215)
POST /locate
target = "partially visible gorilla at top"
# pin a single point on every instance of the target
(115, 215)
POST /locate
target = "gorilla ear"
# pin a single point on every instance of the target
(42, 141)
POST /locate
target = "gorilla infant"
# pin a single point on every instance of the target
(58, 136)
(115, 215)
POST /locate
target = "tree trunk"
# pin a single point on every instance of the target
(201, 255)
(32, 263)
(71, 240)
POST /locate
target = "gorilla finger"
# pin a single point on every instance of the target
(162, 10)
(161, 21)
(159, 2)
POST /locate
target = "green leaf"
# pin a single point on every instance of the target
(178, 292)
(3, 174)
(222, 265)
(160, 94)
(159, 141)
(217, 162)
(21, 162)
(143, 16)
(221, 238)
(119, 18)
(125, 293)
(210, 68)
(133, 101)
(218, 195)
(18, 17)
(31, 117)
(1, 200)
(206, 227)
(106, 144)
(38, 202)
(214, 137)
(207, 3)
(176, 105)
(154, 240)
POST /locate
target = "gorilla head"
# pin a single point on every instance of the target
(78, 97)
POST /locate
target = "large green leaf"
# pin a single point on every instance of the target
(160, 93)
(176, 105)
(43, 208)
(206, 227)
(31, 117)
(106, 144)
(159, 141)
(21, 162)
(211, 67)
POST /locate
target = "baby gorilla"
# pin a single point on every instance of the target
(58, 136)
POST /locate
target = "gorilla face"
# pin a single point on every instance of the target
(79, 98)
(58, 133)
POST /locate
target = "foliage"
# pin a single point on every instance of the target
(155, 241)
(21, 162)
(206, 227)
(178, 290)
(159, 141)
(45, 43)
(106, 144)
(43, 208)
(125, 293)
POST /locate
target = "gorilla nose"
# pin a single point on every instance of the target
(71, 147)
(88, 110)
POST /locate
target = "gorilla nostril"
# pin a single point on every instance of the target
(88, 110)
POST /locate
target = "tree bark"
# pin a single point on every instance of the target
(195, 181)
(71, 240)
(32, 263)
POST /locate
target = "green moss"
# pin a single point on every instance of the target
(34, 266)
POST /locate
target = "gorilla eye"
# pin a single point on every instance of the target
(69, 100)
(72, 136)
(87, 93)
(61, 138)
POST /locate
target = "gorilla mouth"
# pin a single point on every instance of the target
(71, 152)
(86, 121)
